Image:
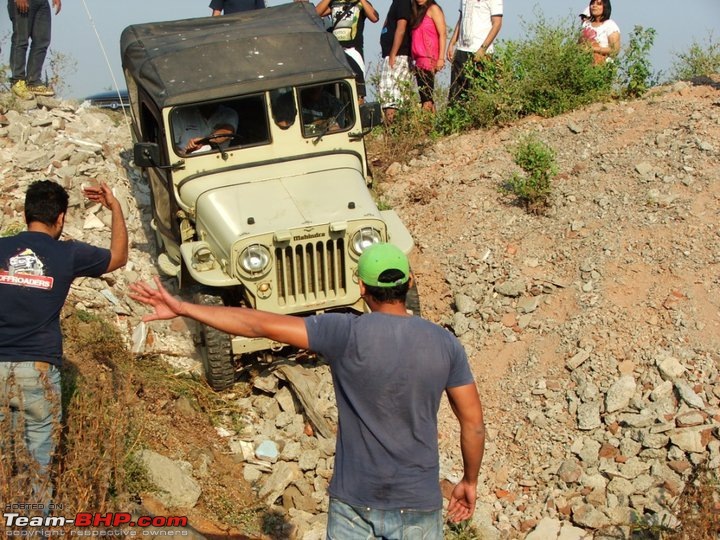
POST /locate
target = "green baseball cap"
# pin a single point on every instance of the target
(379, 258)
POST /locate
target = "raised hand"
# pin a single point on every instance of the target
(165, 305)
(101, 194)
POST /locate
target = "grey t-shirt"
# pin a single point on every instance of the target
(389, 374)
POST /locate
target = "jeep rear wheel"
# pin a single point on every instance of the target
(215, 348)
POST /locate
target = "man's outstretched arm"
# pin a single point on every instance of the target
(466, 405)
(237, 321)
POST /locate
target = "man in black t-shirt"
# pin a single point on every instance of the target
(227, 7)
(395, 75)
(36, 271)
(347, 23)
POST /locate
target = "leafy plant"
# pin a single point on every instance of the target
(461, 531)
(700, 60)
(537, 160)
(636, 74)
(12, 229)
(547, 73)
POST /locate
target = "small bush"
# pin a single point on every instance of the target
(409, 131)
(461, 531)
(537, 160)
(700, 60)
(636, 74)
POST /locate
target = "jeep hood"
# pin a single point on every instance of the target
(227, 214)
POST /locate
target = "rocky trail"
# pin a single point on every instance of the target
(593, 330)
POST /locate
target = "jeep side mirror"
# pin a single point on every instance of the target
(147, 154)
(370, 115)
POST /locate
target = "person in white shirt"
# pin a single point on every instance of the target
(193, 125)
(601, 32)
(478, 26)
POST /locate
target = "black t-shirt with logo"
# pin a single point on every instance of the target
(399, 9)
(36, 272)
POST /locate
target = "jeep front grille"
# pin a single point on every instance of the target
(311, 273)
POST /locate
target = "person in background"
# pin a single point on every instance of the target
(36, 271)
(601, 32)
(320, 108)
(427, 47)
(395, 75)
(347, 23)
(227, 7)
(389, 370)
(479, 24)
(31, 29)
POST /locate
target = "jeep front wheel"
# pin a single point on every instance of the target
(215, 349)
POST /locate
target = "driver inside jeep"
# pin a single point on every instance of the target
(200, 127)
(322, 109)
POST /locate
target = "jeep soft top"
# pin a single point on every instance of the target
(212, 58)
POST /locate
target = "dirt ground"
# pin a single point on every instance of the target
(625, 260)
(636, 195)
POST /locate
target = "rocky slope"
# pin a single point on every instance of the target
(593, 330)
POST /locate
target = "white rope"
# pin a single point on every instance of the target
(107, 61)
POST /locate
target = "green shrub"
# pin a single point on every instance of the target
(461, 531)
(636, 74)
(537, 160)
(547, 73)
(700, 60)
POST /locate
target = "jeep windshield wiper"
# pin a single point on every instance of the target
(332, 120)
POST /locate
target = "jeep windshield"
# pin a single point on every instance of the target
(220, 125)
(243, 122)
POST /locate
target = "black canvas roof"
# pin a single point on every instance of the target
(217, 57)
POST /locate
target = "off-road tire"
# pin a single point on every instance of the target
(214, 347)
(412, 300)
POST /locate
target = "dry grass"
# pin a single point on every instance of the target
(699, 508)
(95, 436)
(114, 405)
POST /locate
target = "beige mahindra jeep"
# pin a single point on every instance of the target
(269, 206)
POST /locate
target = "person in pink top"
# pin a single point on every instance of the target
(427, 47)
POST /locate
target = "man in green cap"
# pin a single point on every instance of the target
(389, 371)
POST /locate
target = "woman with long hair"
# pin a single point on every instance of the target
(601, 32)
(427, 47)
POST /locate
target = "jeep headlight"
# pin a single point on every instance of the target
(364, 238)
(255, 259)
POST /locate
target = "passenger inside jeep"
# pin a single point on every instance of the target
(283, 107)
(326, 107)
(220, 126)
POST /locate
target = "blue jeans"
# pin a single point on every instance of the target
(30, 30)
(30, 394)
(347, 522)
